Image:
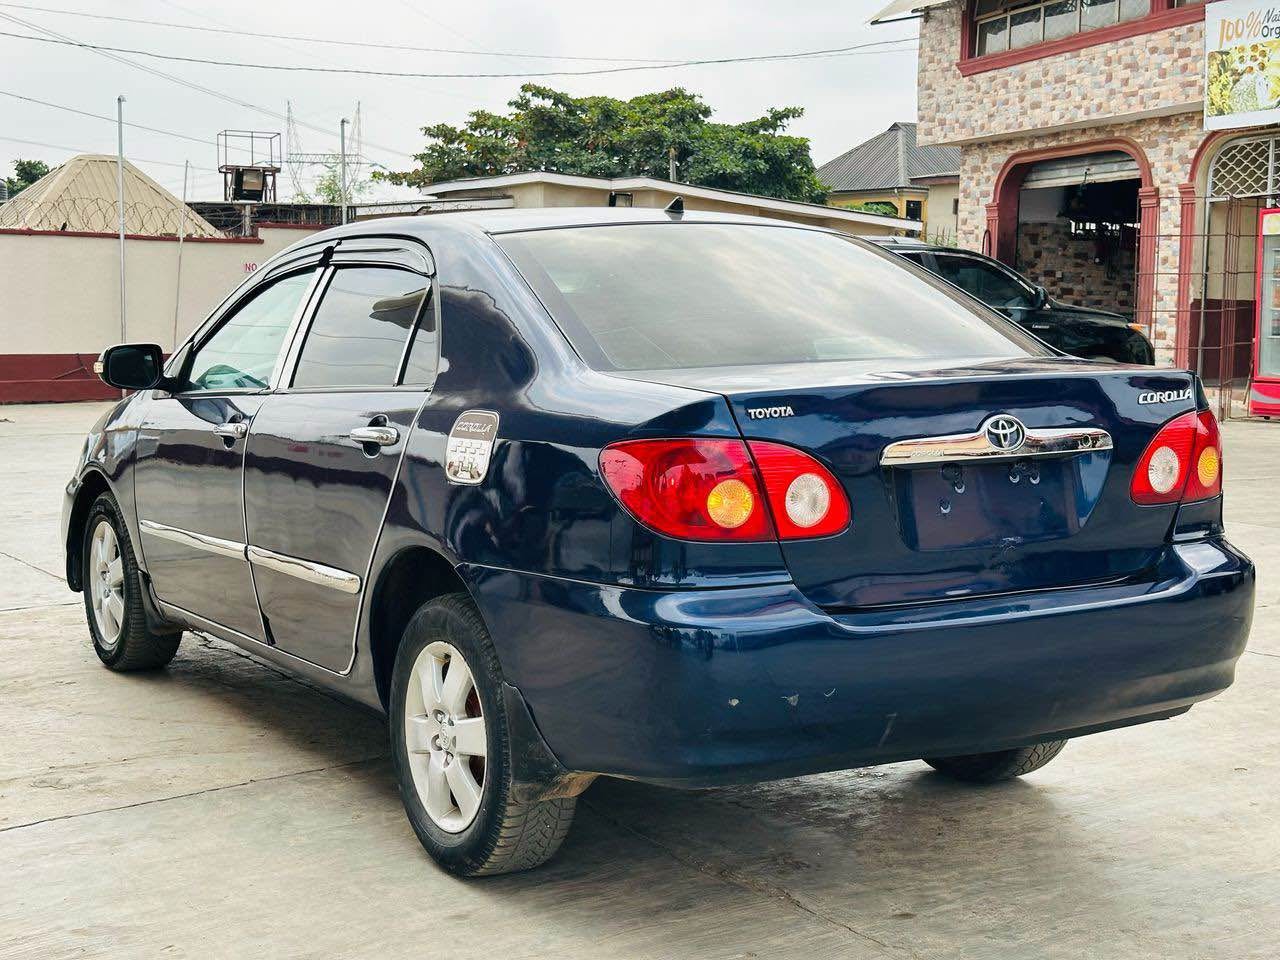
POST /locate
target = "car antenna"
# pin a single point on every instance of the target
(675, 208)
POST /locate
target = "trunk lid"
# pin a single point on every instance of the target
(957, 528)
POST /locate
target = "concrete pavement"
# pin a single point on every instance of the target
(220, 808)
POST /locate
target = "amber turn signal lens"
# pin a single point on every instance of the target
(1207, 467)
(730, 503)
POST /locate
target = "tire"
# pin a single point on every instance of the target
(458, 802)
(1001, 765)
(112, 587)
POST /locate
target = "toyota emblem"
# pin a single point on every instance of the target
(1005, 432)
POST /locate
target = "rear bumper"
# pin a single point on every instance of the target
(703, 687)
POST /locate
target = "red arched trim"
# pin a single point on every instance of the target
(1002, 211)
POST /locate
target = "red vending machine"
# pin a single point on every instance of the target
(1264, 395)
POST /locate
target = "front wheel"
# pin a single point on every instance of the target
(451, 744)
(112, 586)
(1001, 765)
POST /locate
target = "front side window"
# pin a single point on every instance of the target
(360, 329)
(242, 352)
(681, 295)
(1002, 25)
(989, 284)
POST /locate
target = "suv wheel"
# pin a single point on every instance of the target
(112, 587)
(451, 745)
(1001, 765)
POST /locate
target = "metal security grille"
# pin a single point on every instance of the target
(1245, 168)
(1216, 320)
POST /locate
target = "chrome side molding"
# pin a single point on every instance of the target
(200, 541)
(990, 442)
(316, 573)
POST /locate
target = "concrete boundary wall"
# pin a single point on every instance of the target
(59, 300)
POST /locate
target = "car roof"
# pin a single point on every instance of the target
(540, 218)
(921, 246)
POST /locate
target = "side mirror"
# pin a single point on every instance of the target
(1041, 298)
(131, 366)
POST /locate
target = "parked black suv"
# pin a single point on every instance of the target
(1079, 331)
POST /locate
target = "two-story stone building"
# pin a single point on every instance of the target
(1085, 161)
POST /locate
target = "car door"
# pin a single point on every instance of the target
(324, 450)
(190, 454)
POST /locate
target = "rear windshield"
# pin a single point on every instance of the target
(668, 296)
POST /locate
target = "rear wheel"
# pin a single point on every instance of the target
(112, 586)
(1001, 765)
(452, 748)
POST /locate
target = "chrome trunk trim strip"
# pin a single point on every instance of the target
(200, 541)
(962, 447)
(316, 573)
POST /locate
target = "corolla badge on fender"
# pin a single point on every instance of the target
(1165, 396)
(767, 413)
(466, 457)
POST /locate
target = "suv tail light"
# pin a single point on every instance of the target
(712, 489)
(1183, 462)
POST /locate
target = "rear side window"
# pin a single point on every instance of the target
(358, 335)
(673, 295)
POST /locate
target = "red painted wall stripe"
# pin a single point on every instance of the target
(51, 378)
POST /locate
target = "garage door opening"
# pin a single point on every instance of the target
(1078, 230)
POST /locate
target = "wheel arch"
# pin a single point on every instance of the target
(414, 575)
(93, 484)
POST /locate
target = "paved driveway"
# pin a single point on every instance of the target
(220, 808)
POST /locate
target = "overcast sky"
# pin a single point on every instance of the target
(846, 98)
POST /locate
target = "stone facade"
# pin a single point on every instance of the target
(1080, 269)
(1146, 89)
(1169, 144)
(1139, 76)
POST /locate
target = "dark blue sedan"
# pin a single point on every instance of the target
(689, 499)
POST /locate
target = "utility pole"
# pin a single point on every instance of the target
(342, 167)
(671, 164)
(120, 199)
(182, 230)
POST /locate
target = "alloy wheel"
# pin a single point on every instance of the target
(444, 730)
(106, 583)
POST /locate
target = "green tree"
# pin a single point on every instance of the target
(28, 172)
(602, 137)
(328, 186)
(882, 207)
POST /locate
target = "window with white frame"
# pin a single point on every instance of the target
(1001, 25)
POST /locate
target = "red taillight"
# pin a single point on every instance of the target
(692, 489)
(805, 498)
(1182, 462)
(709, 489)
(1205, 478)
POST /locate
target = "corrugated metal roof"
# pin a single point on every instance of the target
(81, 196)
(888, 161)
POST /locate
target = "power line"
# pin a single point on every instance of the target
(59, 146)
(266, 111)
(327, 41)
(855, 49)
(112, 120)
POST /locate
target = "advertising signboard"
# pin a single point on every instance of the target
(1242, 64)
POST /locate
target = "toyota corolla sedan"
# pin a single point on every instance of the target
(682, 498)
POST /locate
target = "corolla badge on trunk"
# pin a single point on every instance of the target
(466, 457)
(1164, 396)
(1005, 432)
